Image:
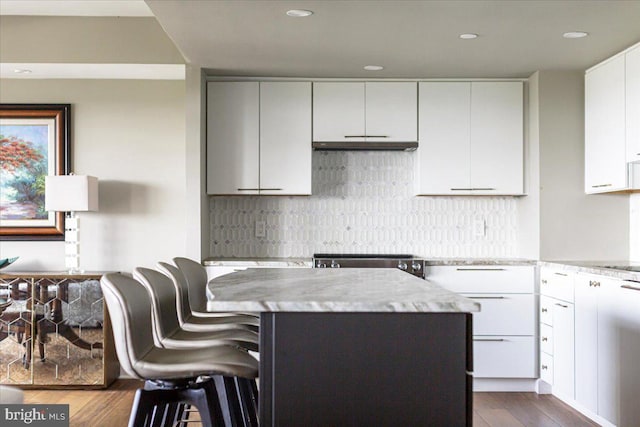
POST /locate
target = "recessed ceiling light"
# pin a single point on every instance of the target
(575, 35)
(468, 36)
(373, 67)
(299, 13)
(22, 71)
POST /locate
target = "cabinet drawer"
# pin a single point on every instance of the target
(504, 357)
(505, 314)
(546, 310)
(546, 368)
(546, 339)
(556, 284)
(484, 279)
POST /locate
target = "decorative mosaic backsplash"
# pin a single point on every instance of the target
(362, 202)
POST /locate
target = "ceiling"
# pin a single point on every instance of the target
(411, 39)
(408, 38)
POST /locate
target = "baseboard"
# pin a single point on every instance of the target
(584, 411)
(504, 384)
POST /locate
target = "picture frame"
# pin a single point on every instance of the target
(34, 142)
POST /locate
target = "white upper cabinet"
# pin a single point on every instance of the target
(259, 138)
(633, 104)
(233, 137)
(338, 111)
(285, 138)
(497, 137)
(365, 111)
(391, 111)
(612, 124)
(471, 138)
(605, 152)
(443, 151)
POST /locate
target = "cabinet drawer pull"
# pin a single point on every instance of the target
(271, 189)
(544, 339)
(545, 367)
(562, 305)
(248, 189)
(544, 281)
(472, 297)
(633, 288)
(473, 189)
(544, 310)
(489, 339)
(601, 185)
(480, 269)
(366, 136)
(560, 274)
(594, 283)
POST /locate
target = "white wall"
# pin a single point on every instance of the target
(131, 135)
(573, 225)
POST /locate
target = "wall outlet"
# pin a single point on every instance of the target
(261, 229)
(479, 228)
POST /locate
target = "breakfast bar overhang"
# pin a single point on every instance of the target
(356, 347)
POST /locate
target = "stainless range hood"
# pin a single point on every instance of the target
(363, 146)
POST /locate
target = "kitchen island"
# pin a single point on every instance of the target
(355, 347)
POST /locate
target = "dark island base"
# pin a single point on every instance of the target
(365, 369)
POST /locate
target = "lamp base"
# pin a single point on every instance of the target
(72, 243)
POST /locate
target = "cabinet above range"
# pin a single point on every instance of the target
(365, 115)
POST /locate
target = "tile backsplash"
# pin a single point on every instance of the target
(362, 202)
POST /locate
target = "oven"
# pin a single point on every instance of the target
(404, 262)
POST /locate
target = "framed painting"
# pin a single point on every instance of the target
(34, 143)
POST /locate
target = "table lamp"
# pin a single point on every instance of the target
(71, 194)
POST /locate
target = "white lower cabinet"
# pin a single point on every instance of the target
(504, 338)
(557, 331)
(592, 363)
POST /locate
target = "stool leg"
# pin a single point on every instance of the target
(140, 410)
(247, 400)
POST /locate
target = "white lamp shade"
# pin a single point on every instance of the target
(71, 193)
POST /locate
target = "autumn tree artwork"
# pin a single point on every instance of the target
(23, 164)
(34, 143)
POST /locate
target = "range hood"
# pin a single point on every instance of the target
(363, 146)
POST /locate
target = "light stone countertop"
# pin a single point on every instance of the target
(331, 290)
(596, 267)
(477, 261)
(258, 262)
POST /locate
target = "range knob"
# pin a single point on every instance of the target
(402, 266)
(416, 266)
(334, 264)
(321, 265)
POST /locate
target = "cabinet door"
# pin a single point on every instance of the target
(232, 138)
(563, 350)
(628, 309)
(285, 138)
(443, 151)
(497, 138)
(608, 352)
(587, 289)
(338, 111)
(391, 111)
(633, 104)
(605, 152)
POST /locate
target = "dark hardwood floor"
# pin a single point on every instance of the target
(110, 408)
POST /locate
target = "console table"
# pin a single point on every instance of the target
(55, 331)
